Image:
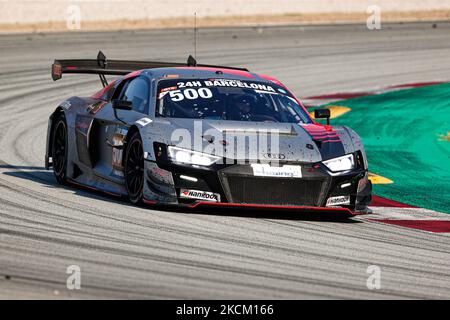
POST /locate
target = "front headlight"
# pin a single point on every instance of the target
(343, 163)
(181, 155)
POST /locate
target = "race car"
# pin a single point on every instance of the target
(194, 135)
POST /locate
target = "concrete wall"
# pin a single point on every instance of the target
(37, 11)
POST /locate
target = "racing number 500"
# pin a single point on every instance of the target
(191, 94)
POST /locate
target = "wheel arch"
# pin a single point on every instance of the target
(51, 123)
(132, 130)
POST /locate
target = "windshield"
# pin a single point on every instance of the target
(225, 99)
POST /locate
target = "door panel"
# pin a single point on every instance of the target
(110, 128)
(106, 150)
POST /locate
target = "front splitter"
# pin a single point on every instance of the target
(341, 212)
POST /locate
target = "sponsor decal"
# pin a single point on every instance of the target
(189, 84)
(66, 104)
(200, 89)
(144, 121)
(164, 91)
(199, 195)
(238, 84)
(286, 171)
(338, 201)
(96, 107)
(169, 89)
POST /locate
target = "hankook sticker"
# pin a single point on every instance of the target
(338, 201)
(199, 195)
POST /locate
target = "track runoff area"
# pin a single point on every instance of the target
(406, 133)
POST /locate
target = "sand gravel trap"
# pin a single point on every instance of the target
(256, 20)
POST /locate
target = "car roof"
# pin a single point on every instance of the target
(206, 72)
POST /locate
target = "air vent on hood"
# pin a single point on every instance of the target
(269, 131)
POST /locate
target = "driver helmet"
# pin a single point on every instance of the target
(245, 102)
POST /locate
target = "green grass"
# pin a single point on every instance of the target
(401, 133)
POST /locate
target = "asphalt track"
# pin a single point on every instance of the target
(129, 252)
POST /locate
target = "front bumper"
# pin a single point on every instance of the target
(238, 187)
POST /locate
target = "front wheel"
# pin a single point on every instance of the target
(134, 169)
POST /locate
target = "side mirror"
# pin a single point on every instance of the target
(122, 104)
(322, 114)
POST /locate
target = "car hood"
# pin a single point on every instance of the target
(254, 140)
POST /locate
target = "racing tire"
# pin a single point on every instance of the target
(134, 169)
(59, 149)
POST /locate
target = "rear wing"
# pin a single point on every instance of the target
(103, 66)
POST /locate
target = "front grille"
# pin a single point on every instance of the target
(260, 190)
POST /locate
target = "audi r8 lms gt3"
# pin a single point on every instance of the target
(200, 135)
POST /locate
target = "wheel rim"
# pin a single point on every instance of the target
(59, 148)
(135, 169)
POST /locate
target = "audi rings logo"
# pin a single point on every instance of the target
(274, 156)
